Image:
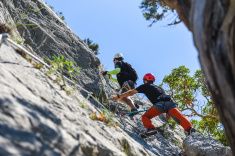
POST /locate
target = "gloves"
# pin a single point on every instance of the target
(104, 73)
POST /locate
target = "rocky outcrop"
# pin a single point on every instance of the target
(44, 33)
(38, 118)
(199, 145)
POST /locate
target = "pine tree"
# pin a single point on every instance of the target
(93, 46)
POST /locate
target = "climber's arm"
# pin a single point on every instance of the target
(114, 72)
(126, 94)
(114, 80)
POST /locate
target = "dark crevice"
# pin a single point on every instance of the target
(6, 62)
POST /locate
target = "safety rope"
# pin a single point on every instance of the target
(126, 113)
(114, 102)
(108, 82)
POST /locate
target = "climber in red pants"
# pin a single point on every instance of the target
(162, 103)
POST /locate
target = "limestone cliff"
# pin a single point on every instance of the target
(37, 117)
(44, 33)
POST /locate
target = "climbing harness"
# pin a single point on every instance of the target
(126, 86)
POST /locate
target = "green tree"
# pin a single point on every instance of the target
(59, 13)
(157, 10)
(93, 46)
(194, 99)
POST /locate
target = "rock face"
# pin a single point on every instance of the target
(199, 145)
(47, 35)
(37, 117)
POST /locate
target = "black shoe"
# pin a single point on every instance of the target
(137, 106)
(133, 110)
(191, 130)
(149, 132)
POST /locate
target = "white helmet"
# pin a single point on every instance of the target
(118, 55)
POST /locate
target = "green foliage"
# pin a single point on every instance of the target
(181, 86)
(155, 10)
(21, 20)
(38, 65)
(100, 98)
(60, 65)
(172, 123)
(177, 143)
(186, 90)
(126, 147)
(59, 13)
(70, 90)
(94, 116)
(61, 16)
(105, 117)
(128, 109)
(17, 40)
(56, 65)
(162, 130)
(52, 8)
(93, 46)
(82, 104)
(28, 58)
(108, 118)
(212, 128)
(71, 70)
(24, 55)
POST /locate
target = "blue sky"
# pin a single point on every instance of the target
(119, 26)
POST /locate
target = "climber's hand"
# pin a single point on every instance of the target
(115, 98)
(104, 73)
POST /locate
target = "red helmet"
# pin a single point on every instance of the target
(149, 77)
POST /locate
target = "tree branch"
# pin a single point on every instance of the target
(202, 116)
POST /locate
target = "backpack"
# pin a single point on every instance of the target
(131, 72)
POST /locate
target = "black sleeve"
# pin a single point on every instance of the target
(141, 88)
(118, 64)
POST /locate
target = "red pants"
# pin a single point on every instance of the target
(152, 112)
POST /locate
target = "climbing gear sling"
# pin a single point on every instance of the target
(123, 113)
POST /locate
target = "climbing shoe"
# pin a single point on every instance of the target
(134, 112)
(191, 130)
(137, 106)
(148, 133)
